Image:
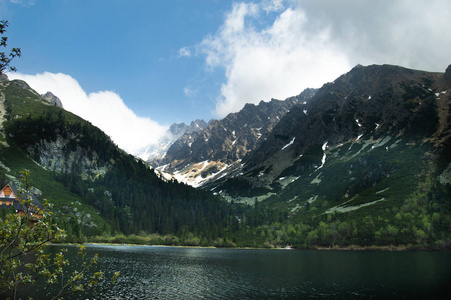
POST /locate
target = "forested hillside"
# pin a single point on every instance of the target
(96, 187)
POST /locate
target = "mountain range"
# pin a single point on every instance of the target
(365, 159)
(367, 104)
(375, 140)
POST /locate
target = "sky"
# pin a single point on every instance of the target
(133, 67)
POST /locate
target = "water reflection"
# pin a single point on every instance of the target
(194, 273)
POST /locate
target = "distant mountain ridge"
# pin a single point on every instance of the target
(178, 129)
(156, 152)
(196, 156)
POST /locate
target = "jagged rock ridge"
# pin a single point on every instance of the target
(179, 129)
(154, 153)
(197, 156)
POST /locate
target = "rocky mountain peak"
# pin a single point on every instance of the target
(197, 125)
(178, 129)
(225, 142)
(155, 153)
(52, 99)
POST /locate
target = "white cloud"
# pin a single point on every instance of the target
(277, 61)
(26, 3)
(403, 32)
(185, 52)
(272, 5)
(312, 42)
(189, 92)
(104, 109)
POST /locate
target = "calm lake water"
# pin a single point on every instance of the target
(149, 272)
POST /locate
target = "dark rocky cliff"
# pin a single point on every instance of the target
(367, 102)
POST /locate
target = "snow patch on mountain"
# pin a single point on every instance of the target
(289, 144)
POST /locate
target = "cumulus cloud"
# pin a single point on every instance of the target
(402, 32)
(104, 109)
(312, 42)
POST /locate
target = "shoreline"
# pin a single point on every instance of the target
(389, 248)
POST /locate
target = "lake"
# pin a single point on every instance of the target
(149, 272)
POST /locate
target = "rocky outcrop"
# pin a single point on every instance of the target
(21, 84)
(3, 78)
(52, 99)
(54, 156)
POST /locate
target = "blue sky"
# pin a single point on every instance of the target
(134, 67)
(130, 47)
